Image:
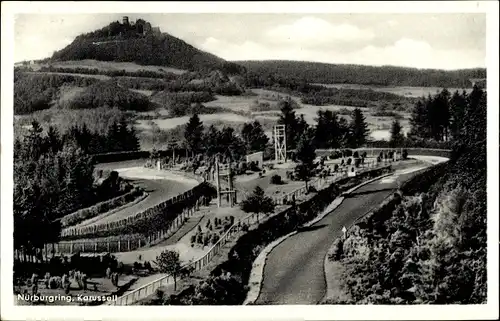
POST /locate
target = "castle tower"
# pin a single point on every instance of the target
(125, 20)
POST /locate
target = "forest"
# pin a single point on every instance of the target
(54, 175)
(314, 72)
(428, 245)
(319, 95)
(33, 92)
(109, 94)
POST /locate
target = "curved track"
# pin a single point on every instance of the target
(160, 185)
(294, 270)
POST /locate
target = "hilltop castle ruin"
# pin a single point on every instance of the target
(141, 27)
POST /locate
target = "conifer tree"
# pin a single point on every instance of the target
(359, 129)
(397, 136)
(193, 134)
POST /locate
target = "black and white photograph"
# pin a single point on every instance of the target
(314, 158)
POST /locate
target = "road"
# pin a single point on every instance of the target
(294, 270)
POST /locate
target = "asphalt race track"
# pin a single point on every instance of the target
(294, 270)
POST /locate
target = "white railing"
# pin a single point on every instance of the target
(122, 243)
(200, 263)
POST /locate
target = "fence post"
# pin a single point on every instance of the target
(95, 247)
(108, 247)
(128, 244)
(71, 248)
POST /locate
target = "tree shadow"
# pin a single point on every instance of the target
(352, 195)
(311, 228)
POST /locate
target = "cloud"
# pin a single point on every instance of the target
(405, 52)
(312, 31)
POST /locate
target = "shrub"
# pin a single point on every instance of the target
(405, 154)
(356, 154)
(349, 161)
(244, 227)
(199, 238)
(276, 179)
(215, 238)
(357, 162)
(54, 282)
(348, 152)
(193, 238)
(206, 239)
(159, 294)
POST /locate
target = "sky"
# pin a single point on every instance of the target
(438, 41)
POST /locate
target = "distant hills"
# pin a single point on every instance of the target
(314, 72)
(139, 42)
(145, 45)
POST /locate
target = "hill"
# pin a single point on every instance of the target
(314, 72)
(140, 43)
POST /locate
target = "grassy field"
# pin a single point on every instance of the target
(109, 65)
(100, 77)
(404, 91)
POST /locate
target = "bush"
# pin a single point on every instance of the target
(336, 167)
(349, 161)
(159, 294)
(99, 208)
(405, 154)
(206, 239)
(356, 154)
(193, 238)
(357, 162)
(276, 180)
(347, 152)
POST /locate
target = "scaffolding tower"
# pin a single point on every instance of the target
(230, 191)
(280, 144)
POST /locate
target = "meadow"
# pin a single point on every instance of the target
(108, 65)
(405, 91)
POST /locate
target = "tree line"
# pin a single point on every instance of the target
(54, 176)
(320, 95)
(331, 131)
(111, 73)
(109, 94)
(428, 247)
(442, 117)
(314, 72)
(33, 92)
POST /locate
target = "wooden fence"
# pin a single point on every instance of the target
(203, 261)
(160, 210)
(123, 243)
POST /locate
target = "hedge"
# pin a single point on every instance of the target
(248, 246)
(99, 208)
(155, 218)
